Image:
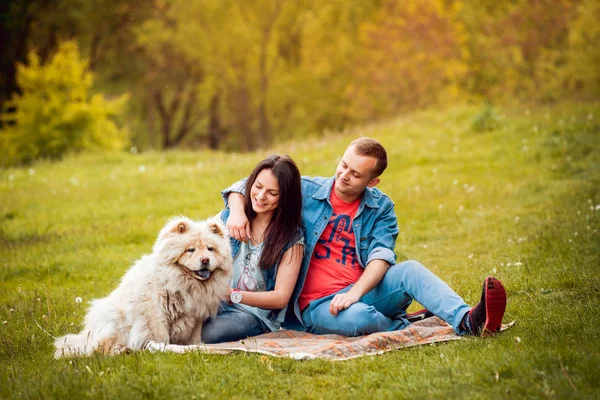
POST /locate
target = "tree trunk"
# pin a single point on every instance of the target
(215, 131)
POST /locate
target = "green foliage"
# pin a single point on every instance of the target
(286, 69)
(55, 113)
(411, 56)
(485, 120)
(583, 72)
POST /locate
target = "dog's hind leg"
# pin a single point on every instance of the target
(107, 339)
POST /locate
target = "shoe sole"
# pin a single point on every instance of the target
(418, 315)
(495, 305)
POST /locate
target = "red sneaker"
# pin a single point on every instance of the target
(487, 315)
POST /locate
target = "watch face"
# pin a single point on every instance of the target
(236, 297)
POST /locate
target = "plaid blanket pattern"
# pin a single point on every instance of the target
(303, 346)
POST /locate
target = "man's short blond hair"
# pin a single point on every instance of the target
(366, 146)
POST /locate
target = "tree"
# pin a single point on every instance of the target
(411, 56)
(55, 114)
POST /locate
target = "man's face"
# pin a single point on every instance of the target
(353, 174)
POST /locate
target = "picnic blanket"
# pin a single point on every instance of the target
(305, 346)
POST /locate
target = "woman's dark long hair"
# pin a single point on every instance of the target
(286, 221)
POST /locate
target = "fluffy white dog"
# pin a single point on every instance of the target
(164, 297)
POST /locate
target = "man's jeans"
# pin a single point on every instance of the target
(383, 308)
(232, 323)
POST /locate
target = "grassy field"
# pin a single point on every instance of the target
(513, 193)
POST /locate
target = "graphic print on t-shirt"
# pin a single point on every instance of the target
(334, 264)
(340, 237)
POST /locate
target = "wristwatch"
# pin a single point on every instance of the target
(235, 296)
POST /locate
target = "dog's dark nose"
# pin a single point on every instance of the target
(204, 260)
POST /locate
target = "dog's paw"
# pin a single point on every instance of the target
(154, 347)
(120, 349)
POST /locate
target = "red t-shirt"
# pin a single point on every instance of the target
(333, 265)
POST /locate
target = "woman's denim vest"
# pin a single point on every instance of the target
(269, 274)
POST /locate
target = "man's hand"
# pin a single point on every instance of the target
(342, 301)
(237, 223)
(238, 226)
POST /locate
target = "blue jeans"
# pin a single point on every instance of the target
(232, 323)
(383, 308)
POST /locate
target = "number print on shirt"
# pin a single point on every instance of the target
(340, 237)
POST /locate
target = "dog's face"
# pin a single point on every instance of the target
(198, 248)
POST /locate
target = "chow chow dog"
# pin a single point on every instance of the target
(164, 297)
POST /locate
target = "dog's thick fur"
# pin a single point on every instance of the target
(164, 297)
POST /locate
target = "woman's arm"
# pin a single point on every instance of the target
(287, 274)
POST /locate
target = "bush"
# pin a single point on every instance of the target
(55, 114)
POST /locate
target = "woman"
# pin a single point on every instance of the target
(265, 268)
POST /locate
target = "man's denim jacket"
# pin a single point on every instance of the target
(375, 229)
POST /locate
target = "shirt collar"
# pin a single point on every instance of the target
(324, 193)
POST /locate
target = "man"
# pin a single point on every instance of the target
(349, 282)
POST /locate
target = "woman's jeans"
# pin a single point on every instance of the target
(232, 323)
(383, 308)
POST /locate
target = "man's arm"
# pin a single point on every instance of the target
(237, 222)
(381, 257)
(373, 274)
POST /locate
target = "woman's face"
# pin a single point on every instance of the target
(265, 193)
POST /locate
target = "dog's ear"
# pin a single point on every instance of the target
(216, 229)
(181, 227)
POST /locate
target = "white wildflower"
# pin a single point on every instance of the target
(74, 181)
(460, 208)
(517, 340)
(590, 116)
(11, 177)
(517, 220)
(518, 263)
(133, 150)
(5, 322)
(597, 207)
(31, 171)
(495, 271)
(470, 256)
(455, 182)
(142, 168)
(440, 206)
(78, 300)
(525, 148)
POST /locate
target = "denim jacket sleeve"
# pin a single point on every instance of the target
(384, 235)
(238, 187)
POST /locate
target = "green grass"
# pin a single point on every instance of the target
(514, 193)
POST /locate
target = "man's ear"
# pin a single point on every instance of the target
(373, 182)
